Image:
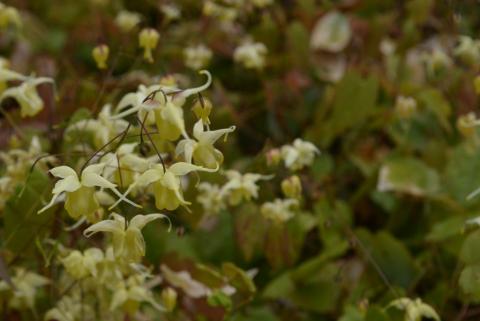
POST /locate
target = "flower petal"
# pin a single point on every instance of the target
(183, 168)
(63, 172)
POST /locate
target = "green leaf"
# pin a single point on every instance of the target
(470, 253)
(390, 255)
(470, 281)
(462, 176)
(354, 102)
(408, 175)
(433, 100)
(446, 229)
(22, 223)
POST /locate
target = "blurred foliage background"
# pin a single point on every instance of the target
(382, 88)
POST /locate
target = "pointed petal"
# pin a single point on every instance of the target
(180, 98)
(211, 136)
(63, 172)
(183, 168)
(139, 221)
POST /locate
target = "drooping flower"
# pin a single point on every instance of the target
(197, 57)
(466, 124)
(80, 193)
(251, 55)
(241, 187)
(299, 155)
(165, 184)
(27, 96)
(201, 151)
(128, 242)
(280, 210)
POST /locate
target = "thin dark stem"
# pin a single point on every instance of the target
(122, 135)
(153, 144)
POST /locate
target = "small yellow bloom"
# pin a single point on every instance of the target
(25, 288)
(26, 95)
(415, 310)
(148, 40)
(405, 107)
(279, 211)
(166, 184)
(241, 187)
(466, 124)
(100, 55)
(128, 242)
(127, 20)
(299, 155)
(201, 150)
(80, 193)
(80, 265)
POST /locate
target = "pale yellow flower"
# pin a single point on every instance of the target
(128, 242)
(201, 150)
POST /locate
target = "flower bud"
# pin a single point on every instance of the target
(148, 40)
(476, 84)
(273, 157)
(9, 16)
(100, 55)
(405, 107)
(202, 109)
(169, 298)
(292, 187)
(466, 124)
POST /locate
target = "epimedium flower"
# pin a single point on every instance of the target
(128, 242)
(280, 210)
(25, 288)
(104, 128)
(201, 150)
(123, 166)
(80, 193)
(241, 187)
(298, 155)
(197, 57)
(165, 183)
(131, 292)
(210, 198)
(415, 310)
(80, 265)
(26, 95)
(127, 20)
(166, 104)
(251, 54)
(405, 107)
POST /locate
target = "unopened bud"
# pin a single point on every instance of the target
(292, 187)
(202, 109)
(148, 40)
(466, 124)
(169, 298)
(273, 157)
(405, 107)
(100, 55)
